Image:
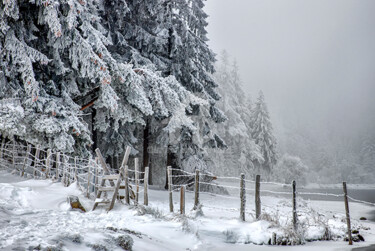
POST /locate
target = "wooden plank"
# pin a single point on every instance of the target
(115, 193)
(110, 177)
(106, 189)
(104, 165)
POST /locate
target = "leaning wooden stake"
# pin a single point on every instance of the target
(136, 171)
(347, 214)
(145, 196)
(294, 205)
(242, 197)
(127, 197)
(170, 187)
(182, 200)
(196, 199)
(257, 198)
(104, 165)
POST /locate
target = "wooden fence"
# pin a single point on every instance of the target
(33, 162)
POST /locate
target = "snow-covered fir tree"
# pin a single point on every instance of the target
(58, 62)
(262, 133)
(242, 151)
(169, 36)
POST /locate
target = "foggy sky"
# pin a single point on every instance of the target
(313, 59)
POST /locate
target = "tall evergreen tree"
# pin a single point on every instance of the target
(242, 151)
(169, 36)
(262, 133)
(59, 62)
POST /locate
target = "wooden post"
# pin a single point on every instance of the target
(96, 180)
(75, 170)
(257, 198)
(136, 175)
(145, 197)
(57, 166)
(196, 199)
(347, 214)
(2, 147)
(88, 181)
(104, 165)
(274, 239)
(13, 155)
(64, 177)
(36, 161)
(170, 187)
(26, 160)
(242, 197)
(294, 205)
(48, 163)
(182, 200)
(127, 197)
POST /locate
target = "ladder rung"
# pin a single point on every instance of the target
(103, 189)
(102, 201)
(110, 177)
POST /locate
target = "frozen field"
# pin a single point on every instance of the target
(35, 214)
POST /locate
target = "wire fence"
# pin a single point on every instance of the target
(33, 162)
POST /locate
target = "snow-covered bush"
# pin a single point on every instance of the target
(290, 168)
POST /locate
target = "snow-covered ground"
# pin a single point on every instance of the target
(35, 214)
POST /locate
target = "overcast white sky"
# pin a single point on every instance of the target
(314, 59)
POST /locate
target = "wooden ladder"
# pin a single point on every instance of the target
(111, 178)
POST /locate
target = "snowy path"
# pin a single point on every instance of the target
(35, 212)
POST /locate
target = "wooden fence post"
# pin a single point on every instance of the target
(48, 163)
(242, 197)
(88, 181)
(26, 160)
(75, 170)
(347, 214)
(294, 205)
(13, 155)
(257, 198)
(170, 187)
(57, 166)
(96, 179)
(136, 176)
(2, 147)
(196, 198)
(64, 177)
(145, 197)
(127, 197)
(182, 200)
(36, 161)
